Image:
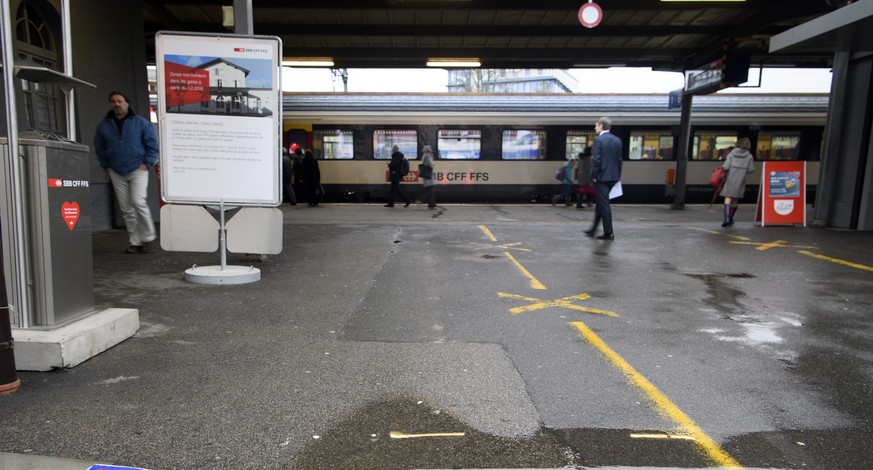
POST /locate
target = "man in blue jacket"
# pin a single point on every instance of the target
(605, 172)
(127, 148)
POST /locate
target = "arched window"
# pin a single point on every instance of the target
(37, 24)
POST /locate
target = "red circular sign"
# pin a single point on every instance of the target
(590, 15)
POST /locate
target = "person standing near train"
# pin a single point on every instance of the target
(427, 183)
(583, 179)
(311, 178)
(288, 178)
(395, 174)
(297, 175)
(737, 165)
(605, 172)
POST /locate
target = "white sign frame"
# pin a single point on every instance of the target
(219, 118)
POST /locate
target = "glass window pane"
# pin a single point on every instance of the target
(778, 145)
(459, 144)
(384, 140)
(650, 145)
(333, 144)
(576, 143)
(524, 144)
(713, 145)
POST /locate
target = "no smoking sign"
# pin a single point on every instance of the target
(590, 15)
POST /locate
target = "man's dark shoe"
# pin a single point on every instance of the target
(389, 205)
(606, 236)
(132, 249)
(149, 247)
(590, 233)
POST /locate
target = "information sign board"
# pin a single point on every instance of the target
(782, 197)
(219, 118)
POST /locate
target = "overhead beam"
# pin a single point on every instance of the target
(411, 30)
(503, 5)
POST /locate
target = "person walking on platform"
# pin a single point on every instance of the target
(566, 177)
(737, 165)
(427, 183)
(395, 174)
(126, 148)
(583, 179)
(605, 172)
(311, 178)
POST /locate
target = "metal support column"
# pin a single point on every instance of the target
(682, 152)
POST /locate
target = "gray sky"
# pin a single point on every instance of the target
(613, 80)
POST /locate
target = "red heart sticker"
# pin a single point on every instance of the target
(70, 213)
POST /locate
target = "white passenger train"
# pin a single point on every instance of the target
(506, 148)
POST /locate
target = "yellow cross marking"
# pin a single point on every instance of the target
(539, 304)
(513, 246)
(776, 244)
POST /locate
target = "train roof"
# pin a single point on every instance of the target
(387, 108)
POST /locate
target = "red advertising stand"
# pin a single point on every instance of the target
(782, 197)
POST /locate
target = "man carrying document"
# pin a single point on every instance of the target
(605, 173)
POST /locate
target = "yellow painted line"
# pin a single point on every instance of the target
(488, 233)
(403, 435)
(663, 404)
(716, 232)
(837, 260)
(661, 435)
(564, 302)
(534, 283)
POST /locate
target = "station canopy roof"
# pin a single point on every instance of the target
(665, 35)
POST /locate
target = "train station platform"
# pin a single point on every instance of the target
(475, 336)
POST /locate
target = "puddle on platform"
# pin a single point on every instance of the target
(435, 439)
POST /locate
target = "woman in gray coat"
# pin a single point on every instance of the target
(427, 183)
(738, 164)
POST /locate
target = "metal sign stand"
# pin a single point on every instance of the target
(222, 274)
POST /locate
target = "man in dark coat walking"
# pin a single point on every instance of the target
(605, 173)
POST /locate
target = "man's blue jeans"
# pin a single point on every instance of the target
(132, 193)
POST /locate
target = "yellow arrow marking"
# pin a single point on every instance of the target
(564, 302)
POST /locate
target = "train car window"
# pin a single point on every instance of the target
(384, 140)
(778, 145)
(333, 144)
(524, 144)
(712, 145)
(459, 144)
(650, 145)
(576, 143)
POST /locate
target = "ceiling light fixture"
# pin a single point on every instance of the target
(468, 63)
(701, 1)
(307, 62)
